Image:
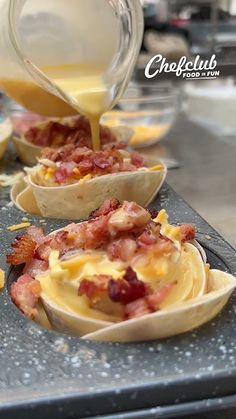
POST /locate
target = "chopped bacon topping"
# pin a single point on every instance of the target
(97, 233)
(120, 230)
(23, 250)
(76, 162)
(149, 303)
(47, 134)
(75, 131)
(36, 234)
(107, 206)
(35, 267)
(134, 295)
(126, 218)
(25, 293)
(163, 247)
(127, 289)
(123, 249)
(153, 212)
(146, 239)
(137, 159)
(187, 232)
(94, 287)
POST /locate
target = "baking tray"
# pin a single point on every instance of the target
(44, 374)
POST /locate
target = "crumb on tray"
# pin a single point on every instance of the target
(2, 278)
(18, 226)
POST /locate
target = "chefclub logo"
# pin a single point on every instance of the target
(189, 70)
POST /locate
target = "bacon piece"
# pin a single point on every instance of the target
(146, 239)
(126, 167)
(127, 217)
(107, 206)
(149, 303)
(87, 161)
(154, 300)
(78, 234)
(128, 289)
(137, 159)
(137, 308)
(64, 171)
(97, 232)
(75, 131)
(187, 232)
(101, 163)
(36, 233)
(139, 214)
(25, 293)
(153, 212)
(94, 287)
(123, 249)
(46, 135)
(164, 246)
(23, 250)
(85, 166)
(35, 267)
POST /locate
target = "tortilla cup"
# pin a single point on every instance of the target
(5, 133)
(78, 200)
(67, 322)
(29, 153)
(168, 322)
(23, 197)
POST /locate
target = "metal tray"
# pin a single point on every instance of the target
(46, 374)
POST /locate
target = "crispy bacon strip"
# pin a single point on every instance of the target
(107, 206)
(123, 249)
(149, 303)
(36, 234)
(35, 267)
(128, 289)
(95, 286)
(23, 250)
(25, 293)
(187, 232)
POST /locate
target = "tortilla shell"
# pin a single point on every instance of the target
(27, 152)
(23, 197)
(179, 319)
(78, 200)
(66, 322)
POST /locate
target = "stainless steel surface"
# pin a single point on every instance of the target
(207, 176)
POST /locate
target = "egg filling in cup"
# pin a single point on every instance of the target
(71, 182)
(125, 275)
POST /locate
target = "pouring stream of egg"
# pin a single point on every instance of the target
(83, 88)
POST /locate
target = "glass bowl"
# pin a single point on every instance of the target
(150, 109)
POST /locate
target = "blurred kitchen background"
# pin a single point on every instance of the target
(190, 124)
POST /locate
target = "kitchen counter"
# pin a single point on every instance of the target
(206, 177)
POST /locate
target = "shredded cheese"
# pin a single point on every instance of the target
(18, 226)
(156, 168)
(9, 180)
(2, 278)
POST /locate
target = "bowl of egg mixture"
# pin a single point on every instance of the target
(149, 109)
